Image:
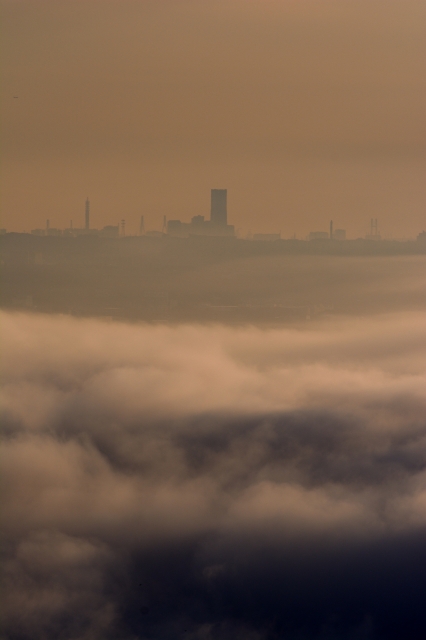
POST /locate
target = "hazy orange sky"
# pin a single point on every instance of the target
(306, 110)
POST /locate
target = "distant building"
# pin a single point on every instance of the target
(110, 231)
(197, 221)
(318, 235)
(339, 234)
(218, 207)
(177, 228)
(198, 227)
(421, 237)
(154, 234)
(216, 226)
(49, 231)
(267, 237)
(78, 231)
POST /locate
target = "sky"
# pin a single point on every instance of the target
(305, 111)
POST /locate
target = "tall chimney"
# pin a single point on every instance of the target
(331, 229)
(87, 215)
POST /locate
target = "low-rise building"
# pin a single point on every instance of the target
(318, 235)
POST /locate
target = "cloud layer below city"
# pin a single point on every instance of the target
(213, 482)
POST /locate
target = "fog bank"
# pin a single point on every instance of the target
(212, 482)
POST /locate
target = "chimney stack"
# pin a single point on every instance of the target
(87, 215)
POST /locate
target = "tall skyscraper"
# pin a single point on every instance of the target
(87, 215)
(218, 212)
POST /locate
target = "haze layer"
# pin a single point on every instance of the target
(305, 111)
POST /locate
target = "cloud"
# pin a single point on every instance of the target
(213, 482)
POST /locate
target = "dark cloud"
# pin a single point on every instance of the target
(207, 482)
